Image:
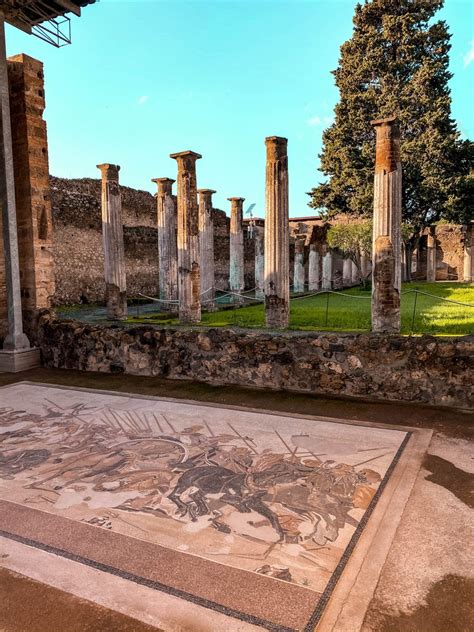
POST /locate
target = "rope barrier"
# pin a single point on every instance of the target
(440, 298)
(157, 300)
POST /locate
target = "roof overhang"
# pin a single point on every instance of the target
(43, 18)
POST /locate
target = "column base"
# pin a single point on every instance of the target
(16, 361)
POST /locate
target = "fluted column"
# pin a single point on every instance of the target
(355, 275)
(298, 274)
(313, 268)
(206, 244)
(468, 231)
(15, 339)
(431, 257)
(167, 246)
(112, 235)
(386, 244)
(189, 271)
(347, 273)
(236, 255)
(277, 259)
(327, 282)
(259, 239)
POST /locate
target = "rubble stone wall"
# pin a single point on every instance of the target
(377, 366)
(78, 250)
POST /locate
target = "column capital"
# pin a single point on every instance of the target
(165, 185)
(109, 171)
(276, 147)
(160, 180)
(186, 154)
(387, 121)
(206, 191)
(236, 199)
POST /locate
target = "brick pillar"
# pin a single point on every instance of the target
(236, 255)
(327, 282)
(386, 245)
(298, 275)
(347, 273)
(259, 237)
(431, 257)
(189, 271)
(11, 322)
(277, 256)
(468, 274)
(313, 268)
(206, 244)
(112, 235)
(32, 192)
(167, 247)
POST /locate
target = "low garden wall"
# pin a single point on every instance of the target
(384, 367)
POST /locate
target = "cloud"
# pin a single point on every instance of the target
(143, 100)
(469, 56)
(313, 121)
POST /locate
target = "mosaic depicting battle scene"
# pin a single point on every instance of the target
(270, 494)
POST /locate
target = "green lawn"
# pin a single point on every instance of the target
(349, 310)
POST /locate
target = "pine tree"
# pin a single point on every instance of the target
(397, 62)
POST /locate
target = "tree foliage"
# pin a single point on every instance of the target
(353, 239)
(396, 62)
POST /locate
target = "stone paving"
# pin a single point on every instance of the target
(79, 509)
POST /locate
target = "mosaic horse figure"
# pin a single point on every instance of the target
(244, 491)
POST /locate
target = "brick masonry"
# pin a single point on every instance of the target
(30, 162)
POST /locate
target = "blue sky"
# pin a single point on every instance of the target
(143, 79)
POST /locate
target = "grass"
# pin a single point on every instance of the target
(349, 310)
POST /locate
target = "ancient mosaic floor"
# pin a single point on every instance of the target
(248, 514)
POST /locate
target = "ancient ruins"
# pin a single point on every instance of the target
(386, 247)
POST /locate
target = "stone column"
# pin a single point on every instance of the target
(167, 247)
(386, 244)
(403, 262)
(15, 340)
(298, 275)
(206, 245)
(327, 271)
(236, 257)
(259, 238)
(468, 247)
(347, 273)
(313, 268)
(112, 235)
(277, 237)
(355, 276)
(431, 257)
(189, 271)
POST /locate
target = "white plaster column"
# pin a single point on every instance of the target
(277, 256)
(167, 246)
(347, 273)
(189, 270)
(206, 239)
(298, 274)
(236, 254)
(313, 268)
(327, 270)
(112, 235)
(16, 339)
(259, 238)
(468, 248)
(355, 275)
(430, 257)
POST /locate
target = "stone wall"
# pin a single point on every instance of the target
(386, 367)
(78, 250)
